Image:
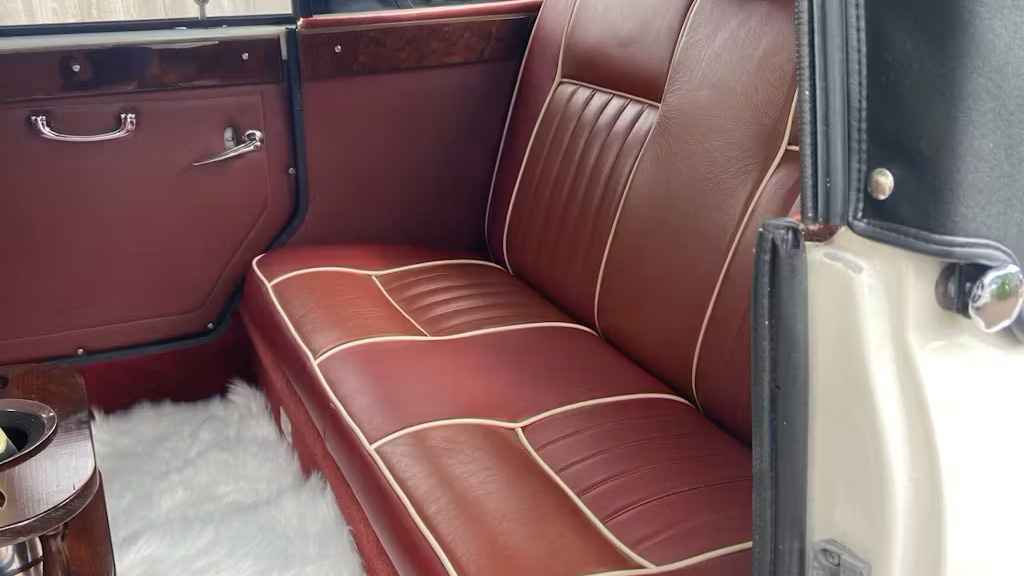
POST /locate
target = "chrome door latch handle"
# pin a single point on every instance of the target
(997, 298)
(128, 123)
(992, 297)
(251, 142)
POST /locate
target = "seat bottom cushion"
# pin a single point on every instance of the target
(502, 438)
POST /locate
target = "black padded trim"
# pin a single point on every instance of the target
(779, 400)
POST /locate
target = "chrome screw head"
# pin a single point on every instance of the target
(882, 183)
(337, 49)
(76, 67)
(210, 326)
(291, 171)
(245, 55)
(80, 352)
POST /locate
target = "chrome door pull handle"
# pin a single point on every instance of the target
(251, 142)
(128, 124)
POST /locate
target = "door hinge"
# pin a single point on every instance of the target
(830, 558)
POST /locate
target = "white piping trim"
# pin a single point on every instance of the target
(358, 432)
(504, 133)
(581, 505)
(629, 183)
(382, 272)
(407, 338)
(793, 148)
(532, 419)
(536, 127)
(680, 564)
(399, 308)
(610, 91)
(735, 243)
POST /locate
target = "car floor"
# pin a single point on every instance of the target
(211, 487)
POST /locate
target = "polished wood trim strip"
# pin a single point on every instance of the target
(392, 17)
(56, 483)
(122, 69)
(419, 45)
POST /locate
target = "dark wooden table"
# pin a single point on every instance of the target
(57, 493)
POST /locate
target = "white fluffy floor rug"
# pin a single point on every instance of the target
(211, 488)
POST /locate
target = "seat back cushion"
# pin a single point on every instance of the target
(648, 140)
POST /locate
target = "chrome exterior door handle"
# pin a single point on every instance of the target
(251, 142)
(128, 124)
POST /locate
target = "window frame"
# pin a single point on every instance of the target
(284, 18)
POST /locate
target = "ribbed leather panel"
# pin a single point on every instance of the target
(580, 162)
(665, 481)
(331, 308)
(455, 298)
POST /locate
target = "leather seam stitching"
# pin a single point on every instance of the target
(398, 307)
(381, 272)
(396, 488)
(532, 419)
(626, 550)
(735, 243)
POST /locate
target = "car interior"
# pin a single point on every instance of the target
(490, 263)
(509, 318)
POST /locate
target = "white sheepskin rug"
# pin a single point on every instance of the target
(211, 488)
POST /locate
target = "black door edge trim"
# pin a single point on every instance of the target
(220, 327)
(807, 105)
(779, 354)
(301, 176)
(826, 87)
(952, 248)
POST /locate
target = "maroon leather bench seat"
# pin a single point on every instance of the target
(580, 404)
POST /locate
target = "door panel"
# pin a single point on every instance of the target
(404, 117)
(124, 242)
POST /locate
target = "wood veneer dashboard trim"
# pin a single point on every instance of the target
(102, 70)
(374, 48)
(400, 17)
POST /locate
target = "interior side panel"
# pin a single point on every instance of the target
(404, 120)
(124, 242)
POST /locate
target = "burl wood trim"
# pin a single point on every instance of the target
(121, 69)
(420, 45)
(56, 483)
(408, 15)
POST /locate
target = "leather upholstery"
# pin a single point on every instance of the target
(722, 126)
(127, 243)
(540, 67)
(633, 56)
(722, 375)
(663, 480)
(583, 154)
(330, 306)
(485, 376)
(542, 423)
(471, 481)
